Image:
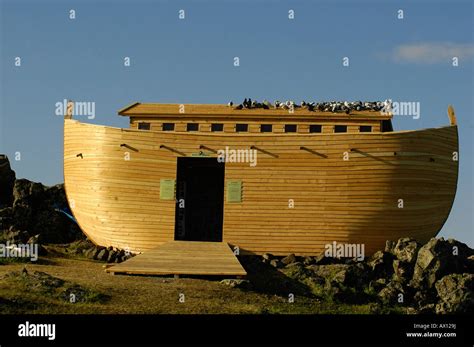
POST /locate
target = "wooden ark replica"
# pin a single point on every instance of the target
(319, 177)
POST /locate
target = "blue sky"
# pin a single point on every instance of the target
(191, 61)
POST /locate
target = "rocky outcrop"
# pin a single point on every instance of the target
(53, 287)
(433, 278)
(439, 258)
(87, 249)
(29, 209)
(237, 283)
(456, 293)
(7, 180)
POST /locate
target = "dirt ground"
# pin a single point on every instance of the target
(122, 294)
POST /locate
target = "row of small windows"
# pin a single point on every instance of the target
(264, 128)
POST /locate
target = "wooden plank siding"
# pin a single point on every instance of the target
(116, 201)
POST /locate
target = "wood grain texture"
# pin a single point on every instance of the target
(116, 201)
(183, 258)
(210, 111)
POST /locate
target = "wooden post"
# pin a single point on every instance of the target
(452, 115)
(69, 109)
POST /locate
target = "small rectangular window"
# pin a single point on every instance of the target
(241, 127)
(315, 128)
(387, 125)
(365, 128)
(168, 126)
(290, 128)
(217, 127)
(192, 127)
(340, 129)
(143, 126)
(266, 128)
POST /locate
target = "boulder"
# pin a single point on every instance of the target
(103, 254)
(112, 256)
(389, 246)
(439, 258)
(378, 284)
(6, 212)
(7, 181)
(342, 275)
(402, 271)
(34, 240)
(427, 309)
(380, 264)
(425, 298)
(456, 294)
(27, 193)
(90, 252)
(34, 209)
(237, 283)
(406, 250)
(323, 260)
(120, 256)
(289, 259)
(470, 264)
(97, 250)
(15, 236)
(392, 294)
(266, 257)
(297, 271)
(276, 263)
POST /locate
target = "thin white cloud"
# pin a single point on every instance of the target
(432, 53)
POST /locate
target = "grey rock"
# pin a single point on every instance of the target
(289, 259)
(378, 284)
(354, 276)
(323, 260)
(90, 252)
(276, 263)
(6, 212)
(98, 250)
(470, 264)
(424, 298)
(120, 256)
(7, 181)
(297, 271)
(389, 246)
(406, 250)
(380, 264)
(456, 294)
(25, 191)
(308, 260)
(266, 257)
(112, 256)
(237, 283)
(391, 294)
(427, 309)
(402, 271)
(438, 258)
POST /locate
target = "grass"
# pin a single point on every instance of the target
(104, 293)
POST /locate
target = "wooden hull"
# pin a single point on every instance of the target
(117, 201)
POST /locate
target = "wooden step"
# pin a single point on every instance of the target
(183, 258)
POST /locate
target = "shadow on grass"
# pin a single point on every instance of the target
(26, 261)
(268, 280)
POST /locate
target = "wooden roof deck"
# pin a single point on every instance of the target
(183, 258)
(218, 111)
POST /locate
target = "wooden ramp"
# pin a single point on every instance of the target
(183, 258)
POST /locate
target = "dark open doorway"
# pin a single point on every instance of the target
(199, 199)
